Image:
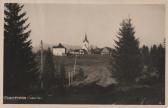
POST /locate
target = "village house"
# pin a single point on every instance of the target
(59, 50)
(75, 52)
(106, 51)
(96, 51)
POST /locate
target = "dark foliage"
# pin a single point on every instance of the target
(145, 55)
(80, 76)
(154, 64)
(161, 63)
(48, 74)
(19, 65)
(127, 64)
(62, 77)
(95, 94)
(157, 61)
(61, 80)
(153, 56)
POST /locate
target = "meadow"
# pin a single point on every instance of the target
(96, 86)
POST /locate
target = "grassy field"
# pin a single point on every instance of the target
(95, 67)
(104, 91)
(98, 87)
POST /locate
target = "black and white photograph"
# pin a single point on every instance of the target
(96, 54)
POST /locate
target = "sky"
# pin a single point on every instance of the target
(68, 23)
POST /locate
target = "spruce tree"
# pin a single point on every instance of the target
(127, 63)
(154, 56)
(145, 55)
(161, 63)
(19, 64)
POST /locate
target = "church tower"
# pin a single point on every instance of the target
(85, 45)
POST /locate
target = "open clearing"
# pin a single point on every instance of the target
(95, 67)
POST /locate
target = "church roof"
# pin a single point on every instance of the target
(85, 39)
(59, 46)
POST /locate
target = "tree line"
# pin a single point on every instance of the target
(154, 63)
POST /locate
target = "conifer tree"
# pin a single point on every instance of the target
(127, 63)
(19, 64)
(145, 55)
(160, 64)
(154, 56)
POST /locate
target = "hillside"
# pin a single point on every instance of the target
(95, 68)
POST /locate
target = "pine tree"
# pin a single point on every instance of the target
(19, 64)
(145, 55)
(127, 63)
(161, 63)
(154, 56)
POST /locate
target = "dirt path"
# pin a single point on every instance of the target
(96, 69)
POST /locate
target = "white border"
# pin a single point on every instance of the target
(92, 1)
(165, 2)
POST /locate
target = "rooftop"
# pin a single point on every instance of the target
(59, 46)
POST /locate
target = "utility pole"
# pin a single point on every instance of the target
(41, 65)
(69, 78)
(74, 72)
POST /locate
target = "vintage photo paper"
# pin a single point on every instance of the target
(84, 53)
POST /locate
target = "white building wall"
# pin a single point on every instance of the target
(59, 51)
(85, 46)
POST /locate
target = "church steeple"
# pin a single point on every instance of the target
(85, 45)
(86, 40)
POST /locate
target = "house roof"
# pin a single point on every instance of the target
(106, 49)
(59, 46)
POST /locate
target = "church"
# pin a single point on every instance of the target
(60, 50)
(85, 45)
